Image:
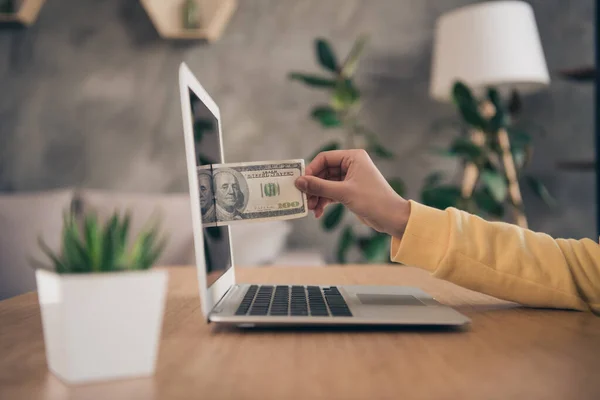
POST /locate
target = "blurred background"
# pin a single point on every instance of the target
(89, 110)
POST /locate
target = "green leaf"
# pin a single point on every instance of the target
(110, 244)
(93, 241)
(59, 266)
(441, 197)
(514, 103)
(487, 203)
(74, 255)
(124, 232)
(120, 241)
(136, 253)
(146, 251)
(346, 240)
(351, 62)
(326, 116)
(541, 191)
(433, 179)
(313, 80)
(326, 55)
(518, 138)
(467, 105)
(398, 185)
(327, 147)
(499, 119)
(151, 249)
(496, 184)
(380, 151)
(333, 216)
(375, 249)
(154, 254)
(464, 147)
(345, 95)
(374, 147)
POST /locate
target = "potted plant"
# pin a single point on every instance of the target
(495, 152)
(342, 112)
(101, 303)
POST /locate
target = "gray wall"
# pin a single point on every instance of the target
(89, 98)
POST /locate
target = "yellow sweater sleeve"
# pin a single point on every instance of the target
(501, 259)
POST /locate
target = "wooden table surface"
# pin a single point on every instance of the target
(507, 352)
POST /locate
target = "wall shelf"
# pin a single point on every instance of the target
(580, 74)
(167, 18)
(26, 14)
(577, 165)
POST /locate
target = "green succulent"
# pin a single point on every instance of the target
(103, 248)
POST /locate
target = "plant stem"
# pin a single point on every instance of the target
(511, 174)
(471, 170)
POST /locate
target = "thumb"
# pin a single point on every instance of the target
(320, 187)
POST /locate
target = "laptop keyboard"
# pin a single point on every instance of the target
(264, 300)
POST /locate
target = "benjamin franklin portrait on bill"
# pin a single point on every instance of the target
(230, 198)
(207, 199)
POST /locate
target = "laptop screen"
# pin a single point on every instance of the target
(217, 251)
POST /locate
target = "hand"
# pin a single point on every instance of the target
(350, 177)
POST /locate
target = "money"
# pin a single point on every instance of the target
(253, 191)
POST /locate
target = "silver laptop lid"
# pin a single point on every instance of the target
(204, 145)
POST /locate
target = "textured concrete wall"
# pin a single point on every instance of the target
(89, 97)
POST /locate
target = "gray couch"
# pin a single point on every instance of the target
(26, 216)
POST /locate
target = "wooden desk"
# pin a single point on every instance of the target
(508, 351)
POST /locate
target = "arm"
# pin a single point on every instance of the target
(500, 259)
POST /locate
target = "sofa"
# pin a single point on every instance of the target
(26, 217)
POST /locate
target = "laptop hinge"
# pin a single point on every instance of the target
(218, 303)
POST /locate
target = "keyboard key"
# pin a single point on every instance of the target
(260, 311)
(294, 300)
(335, 301)
(279, 313)
(319, 313)
(247, 300)
(299, 312)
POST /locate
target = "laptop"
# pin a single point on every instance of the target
(225, 301)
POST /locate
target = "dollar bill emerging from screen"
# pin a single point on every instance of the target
(252, 191)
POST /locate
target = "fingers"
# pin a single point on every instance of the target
(325, 160)
(314, 186)
(332, 174)
(320, 207)
(318, 203)
(312, 202)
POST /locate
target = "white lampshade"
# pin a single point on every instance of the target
(494, 43)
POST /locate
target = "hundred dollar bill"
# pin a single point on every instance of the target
(252, 191)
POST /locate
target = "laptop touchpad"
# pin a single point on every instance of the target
(388, 299)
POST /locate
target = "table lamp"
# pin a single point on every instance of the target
(491, 44)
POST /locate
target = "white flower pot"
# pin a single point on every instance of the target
(101, 326)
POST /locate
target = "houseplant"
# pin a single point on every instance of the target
(101, 303)
(495, 151)
(342, 112)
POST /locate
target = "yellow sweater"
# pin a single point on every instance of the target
(502, 260)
